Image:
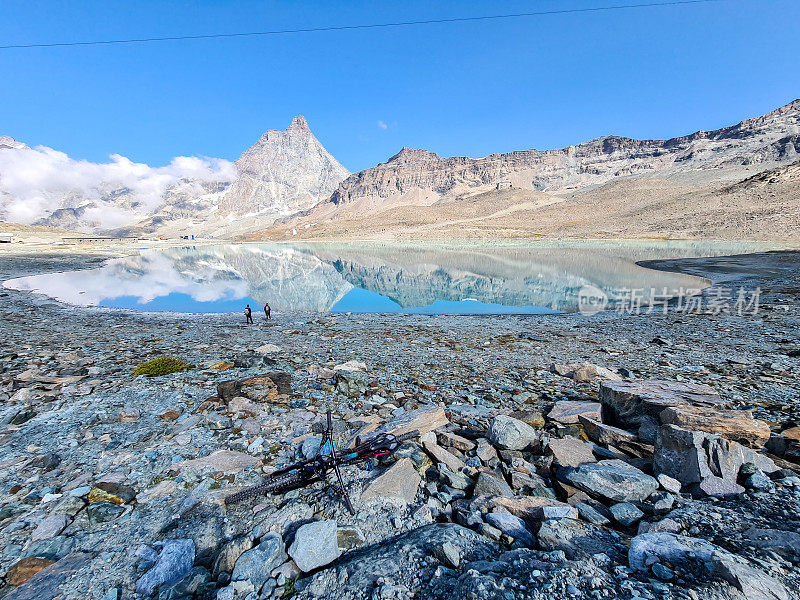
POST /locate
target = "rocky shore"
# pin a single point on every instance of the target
(564, 456)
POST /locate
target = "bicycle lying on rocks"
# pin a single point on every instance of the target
(306, 472)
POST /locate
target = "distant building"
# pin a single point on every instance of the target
(6, 238)
(89, 239)
(504, 185)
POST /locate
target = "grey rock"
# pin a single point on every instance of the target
(662, 572)
(256, 564)
(674, 549)
(350, 384)
(709, 462)
(591, 514)
(785, 543)
(174, 562)
(315, 545)
(393, 560)
(567, 412)
(753, 583)
(399, 484)
(511, 525)
(54, 548)
(449, 554)
(628, 401)
(613, 479)
(229, 554)
(511, 434)
(575, 538)
(103, 512)
(491, 485)
(669, 483)
(570, 451)
(49, 527)
(626, 513)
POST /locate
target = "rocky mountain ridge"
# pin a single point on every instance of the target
(765, 141)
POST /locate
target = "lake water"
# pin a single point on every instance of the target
(447, 278)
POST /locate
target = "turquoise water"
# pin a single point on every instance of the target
(522, 278)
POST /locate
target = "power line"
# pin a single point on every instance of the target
(361, 26)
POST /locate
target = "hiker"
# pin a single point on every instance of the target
(248, 314)
(267, 311)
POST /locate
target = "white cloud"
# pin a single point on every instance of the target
(36, 181)
(383, 125)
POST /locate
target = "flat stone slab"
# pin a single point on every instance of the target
(614, 480)
(628, 401)
(423, 420)
(584, 371)
(567, 412)
(400, 483)
(736, 425)
(570, 452)
(605, 435)
(222, 461)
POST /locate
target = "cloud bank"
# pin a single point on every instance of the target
(35, 182)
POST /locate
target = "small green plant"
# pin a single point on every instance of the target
(162, 365)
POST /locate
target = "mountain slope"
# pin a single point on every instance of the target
(418, 194)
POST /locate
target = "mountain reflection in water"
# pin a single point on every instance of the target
(537, 277)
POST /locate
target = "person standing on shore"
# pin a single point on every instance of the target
(267, 311)
(248, 314)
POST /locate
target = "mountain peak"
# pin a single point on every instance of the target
(410, 155)
(299, 123)
(7, 142)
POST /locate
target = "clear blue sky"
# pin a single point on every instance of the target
(457, 89)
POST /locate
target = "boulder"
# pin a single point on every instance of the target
(228, 462)
(627, 401)
(736, 425)
(692, 553)
(585, 371)
(398, 484)
(707, 462)
(47, 582)
(256, 565)
(393, 560)
(492, 485)
(570, 452)
(567, 412)
(529, 508)
(668, 547)
(229, 554)
(511, 434)
(423, 419)
(511, 525)
(315, 545)
(626, 513)
(614, 480)
(350, 384)
(605, 435)
(174, 562)
(574, 538)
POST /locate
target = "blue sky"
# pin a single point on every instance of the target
(457, 89)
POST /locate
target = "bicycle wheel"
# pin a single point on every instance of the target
(281, 483)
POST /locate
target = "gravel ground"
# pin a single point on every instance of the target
(73, 418)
